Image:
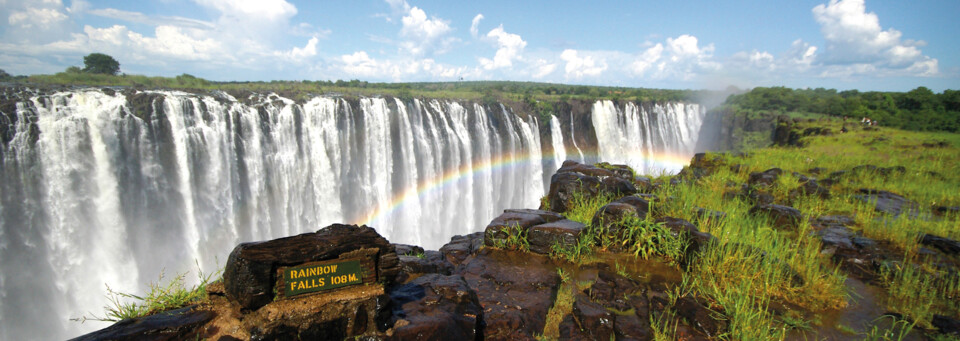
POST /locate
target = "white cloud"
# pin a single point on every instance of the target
(244, 10)
(646, 59)
(543, 68)
(297, 53)
(577, 67)
(855, 38)
(509, 47)
(474, 29)
(140, 18)
(360, 64)
(36, 17)
(422, 34)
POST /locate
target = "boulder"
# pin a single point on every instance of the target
(947, 325)
(436, 307)
(764, 179)
(575, 179)
(500, 229)
(593, 319)
(460, 247)
(565, 233)
(888, 202)
(946, 245)
(703, 215)
(251, 270)
(515, 289)
(783, 216)
(548, 216)
(428, 262)
(698, 316)
(178, 324)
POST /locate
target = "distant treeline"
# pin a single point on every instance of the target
(917, 109)
(485, 90)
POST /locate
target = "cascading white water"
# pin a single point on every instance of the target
(96, 192)
(651, 140)
(121, 197)
(556, 137)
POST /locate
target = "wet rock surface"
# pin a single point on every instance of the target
(573, 179)
(179, 324)
(562, 233)
(460, 247)
(515, 289)
(509, 223)
(436, 307)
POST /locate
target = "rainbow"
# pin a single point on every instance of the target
(663, 161)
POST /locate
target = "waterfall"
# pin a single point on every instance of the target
(650, 138)
(556, 136)
(118, 187)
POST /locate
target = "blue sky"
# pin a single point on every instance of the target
(849, 44)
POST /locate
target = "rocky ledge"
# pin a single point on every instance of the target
(506, 282)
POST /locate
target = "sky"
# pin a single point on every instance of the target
(841, 44)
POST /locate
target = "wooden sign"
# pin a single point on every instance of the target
(317, 276)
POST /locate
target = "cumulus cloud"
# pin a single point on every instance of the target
(34, 17)
(680, 58)
(474, 29)
(422, 34)
(244, 10)
(577, 67)
(309, 50)
(543, 68)
(854, 38)
(360, 64)
(140, 18)
(509, 48)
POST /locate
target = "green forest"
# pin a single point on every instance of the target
(919, 109)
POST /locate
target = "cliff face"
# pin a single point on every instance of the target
(725, 130)
(168, 177)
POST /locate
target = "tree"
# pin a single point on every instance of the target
(100, 63)
(4, 75)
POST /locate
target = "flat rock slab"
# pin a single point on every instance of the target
(179, 324)
(783, 216)
(436, 307)
(516, 290)
(508, 223)
(461, 247)
(250, 275)
(948, 246)
(888, 202)
(564, 233)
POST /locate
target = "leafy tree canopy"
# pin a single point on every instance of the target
(101, 63)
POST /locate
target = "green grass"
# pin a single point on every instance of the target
(160, 297)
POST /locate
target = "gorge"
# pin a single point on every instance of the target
(115, 187)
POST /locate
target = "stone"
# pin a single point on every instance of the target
(764, 179)
(945, 210)
(251, 270)
(836, 238)
(946, 245)
(547, 216)
(811, 187)
(697, 240)
(515, 289)
(610, 216)
(409, 250)
(178, 324)
(888, 202)
(829, 220)
(436, 307)
(946, 325)
(783, 216)
(461, 247)
(593, 319)
(431, 262)
(507, 224)
(703, 215)
(698, 316)
(642, 204)
(564, 233)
